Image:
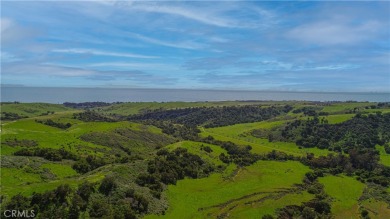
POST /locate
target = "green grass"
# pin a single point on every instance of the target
(60, 170)
(239, 129)
(334, 119)
(189, 195)
(51, 137)
(11, 177)
(343, 107)
(32, 109)
(134, 108)
(8, 150)
(269, 206)
(377, 209)
(260, 145)
(16, 181)
(384, 157)
(345, 192)
(195, 148)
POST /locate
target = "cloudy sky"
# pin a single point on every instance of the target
(300, 46)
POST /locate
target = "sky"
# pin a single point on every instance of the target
(230, 45)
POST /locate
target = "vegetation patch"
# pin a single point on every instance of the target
(32, 109)
(345, 192)
(189, 196)
(214, 116)
(128, 140)
(384, 155)
(22, 142)
(52, 123)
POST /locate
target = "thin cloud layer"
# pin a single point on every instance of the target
(301, 46)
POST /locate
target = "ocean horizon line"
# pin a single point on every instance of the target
(197, 89)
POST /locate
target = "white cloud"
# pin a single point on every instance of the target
(136, 65)
(40, 69)
(7, 57)
(180, 45)
(335, 32)
(102, 53)
(5, 24)
(203, 16)
(11, 32)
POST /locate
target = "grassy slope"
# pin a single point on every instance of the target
(339, 118)
(133, 108)
(237, 134)
(32, 109)
(52, 137)
(46, 136)
(384, 157)
(343, 107)
(60, 170)
(345, 192)
(189, 195)
(376, 209)
(195, 148)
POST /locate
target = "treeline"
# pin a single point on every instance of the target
(310, 111)
(89, 163)
(52, 123)
(91, 116)
(361, 162)
(179, 131)
(86, 105)
(318, 207)
(213, 116)
(11, 116)
(168, 167)
(379, 106)
(89, 199)
(47, 153)
(239, 155)
(82, 164)
(362, 131)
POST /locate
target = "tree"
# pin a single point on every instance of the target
(108, 184)
(267, 216)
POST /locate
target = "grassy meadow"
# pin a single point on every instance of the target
(231, 191)
(216, 194)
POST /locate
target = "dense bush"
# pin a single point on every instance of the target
(86, 105)
(52, 123)
(91, 116)
(214, 116)
(359, 132)
(64, 202)
(11, 116)
(237, 154)
(168, 167)
(308, 110)
(87, 164)
(23, 142)
(47, 153)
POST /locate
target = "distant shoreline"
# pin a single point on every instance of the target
(199, 89)
(109, 95)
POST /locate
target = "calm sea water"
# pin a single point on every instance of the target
(60, 95)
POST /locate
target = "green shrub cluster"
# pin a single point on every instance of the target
(97, 201)
(47, 153)
(168, 167)
(52, 123)
(11, 116)
(214, 116)
(23, 142)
